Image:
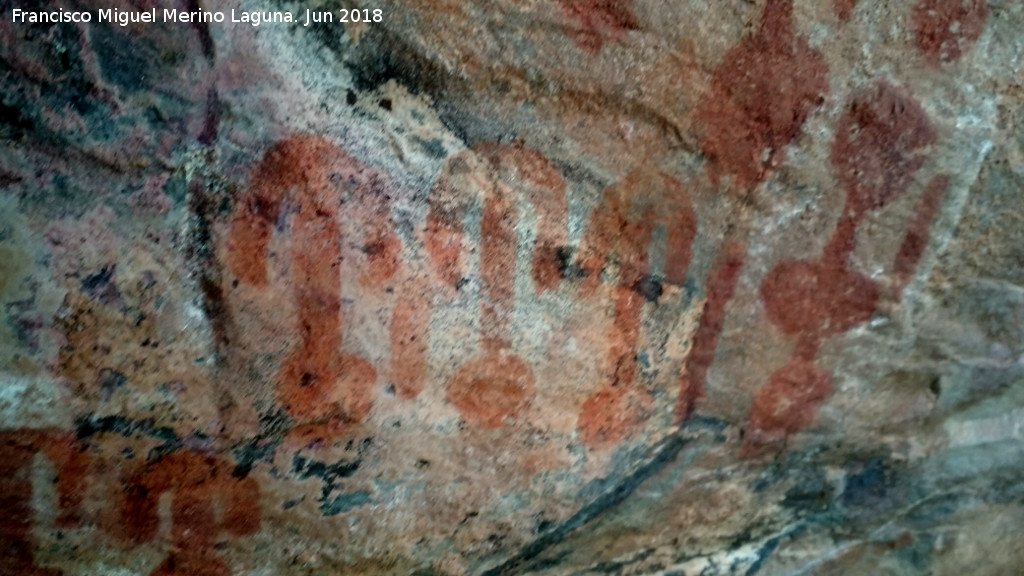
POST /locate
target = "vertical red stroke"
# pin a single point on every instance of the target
(496, 385)
(919, 231)
(18, 449)
(195, 482)
(721, 286)
(621, 229)
(323, 389)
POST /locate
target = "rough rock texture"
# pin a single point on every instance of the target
(573, 287)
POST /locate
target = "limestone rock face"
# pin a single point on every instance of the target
(513, 287)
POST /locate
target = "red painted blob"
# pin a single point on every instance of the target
(814, 300)
(788, 403)
(844, 9)
(492, 388)
(761, 95)
(948, 29)
(611, 415)
(599, 21)
(878, 145)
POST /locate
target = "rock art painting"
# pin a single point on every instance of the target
(945, 31)
(206, 498)
(18, 449)
(879, 148)
(324, 389)
(511, 288)
(495, 387)
(620, 231)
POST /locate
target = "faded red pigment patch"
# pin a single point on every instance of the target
(497, 386)
(324, 390)
(533, 176)
(948, 29)
(196, 483)
(18, 449)
(621, 230)
(492, 388)
(721, 286)
(410, 332)
(599, 21)
(844, 9)
(788, 403)
(612, 414)
(761, 95)
(919, 230)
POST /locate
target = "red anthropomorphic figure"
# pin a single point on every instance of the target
(497, 384)
(324, 390)
(622, 229)
(196, 483)
(876, 154)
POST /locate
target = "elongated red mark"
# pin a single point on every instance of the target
(496, 385)
(196, 482)
(919, 231)
(721, 287)
(323, 389)
(18, 449)
(621, 230)
(876, 154)
(948, 29)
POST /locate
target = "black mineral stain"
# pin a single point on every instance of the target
(331, 476)
(869, 484)
(529, 556)
(650, 288)
(203, 31)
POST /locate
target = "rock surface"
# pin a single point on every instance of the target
(514, 287)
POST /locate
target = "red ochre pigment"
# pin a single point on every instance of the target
(196, 482)
(876, 154)
(599, 21)
(761, 95)
(497, 385)
(948, 29)
(324, 389)
(721, 286)
(844, 9)
(18, 449)
(621, 229)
